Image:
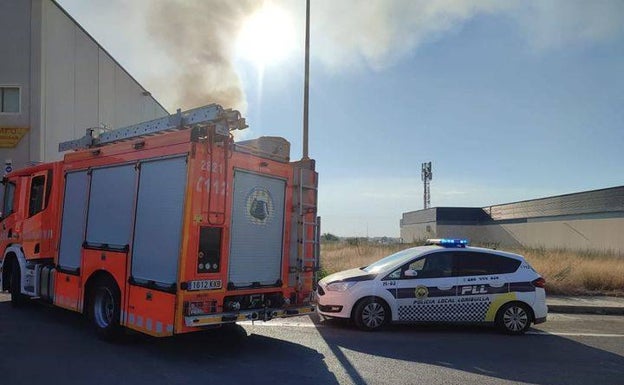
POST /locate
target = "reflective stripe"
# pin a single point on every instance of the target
(499, 301)
(464, 290)
(152, 326)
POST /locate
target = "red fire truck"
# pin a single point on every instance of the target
(164, 227)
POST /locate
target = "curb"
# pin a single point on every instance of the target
(574, 309)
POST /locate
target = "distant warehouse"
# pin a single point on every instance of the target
(590, 220)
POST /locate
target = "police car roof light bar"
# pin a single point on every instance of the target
(445, 242)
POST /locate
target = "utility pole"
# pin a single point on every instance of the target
(426, 175)
(306, 83)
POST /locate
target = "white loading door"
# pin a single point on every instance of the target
(257, 230)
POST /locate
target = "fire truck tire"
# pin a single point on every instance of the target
(104, 309)
(17, 298)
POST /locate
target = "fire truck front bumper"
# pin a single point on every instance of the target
(246, 315)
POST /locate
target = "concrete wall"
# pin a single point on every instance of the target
(69, 83)
(418, 231)
(593, 232)
(603, 234)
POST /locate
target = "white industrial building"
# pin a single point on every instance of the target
(56, 81)
(589, 220)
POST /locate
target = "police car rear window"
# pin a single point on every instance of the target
(471, 263)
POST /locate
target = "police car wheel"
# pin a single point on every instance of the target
(370, 314)
(514, 318)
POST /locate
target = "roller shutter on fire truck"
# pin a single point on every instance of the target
(257, 230)
(105, 202)
(111, 207)
(74, 219)
(159, 216)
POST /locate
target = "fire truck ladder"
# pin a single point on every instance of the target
(212, 116)
(308, 231)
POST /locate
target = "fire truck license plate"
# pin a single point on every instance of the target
(205, 284)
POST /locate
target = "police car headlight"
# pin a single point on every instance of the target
(340, 286)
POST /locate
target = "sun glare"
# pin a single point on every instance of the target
(267, 36)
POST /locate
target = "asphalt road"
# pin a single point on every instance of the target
(44, 345)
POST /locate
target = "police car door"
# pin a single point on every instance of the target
(426, 290)
(482, 285)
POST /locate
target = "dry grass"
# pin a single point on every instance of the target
(566, 272)
(578, 273)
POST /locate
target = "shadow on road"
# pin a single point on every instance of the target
(40, 344)
(548, 360)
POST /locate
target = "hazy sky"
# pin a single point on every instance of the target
(510, 100)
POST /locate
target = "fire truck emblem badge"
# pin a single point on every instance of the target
(421, 292)
(259, 205)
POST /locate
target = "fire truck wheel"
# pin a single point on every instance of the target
(104, 309)
(17, 298)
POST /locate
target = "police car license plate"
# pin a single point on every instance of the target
(205, 284)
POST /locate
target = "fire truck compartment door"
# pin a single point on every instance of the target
(159, 216)
(257, 229)
(74, 217)
(111, 205)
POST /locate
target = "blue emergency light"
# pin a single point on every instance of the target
(445, 242)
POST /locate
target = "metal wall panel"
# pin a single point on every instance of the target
(82, 85)
(461, 214)
(74, 218)
(419, 216)
(86, 88)
(597, 201)
(106, 90)
(111, 206)
(68, 82)
(159, 216)
(257, 229)
(58, 80)
(15, 62)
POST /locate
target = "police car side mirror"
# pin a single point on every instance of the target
(410, 273)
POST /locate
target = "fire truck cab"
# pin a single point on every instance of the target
(164, 227)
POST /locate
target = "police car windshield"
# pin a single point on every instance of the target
(390, 260)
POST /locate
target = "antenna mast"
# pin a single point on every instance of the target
(426, 175)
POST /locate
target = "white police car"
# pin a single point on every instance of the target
(445, 281)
